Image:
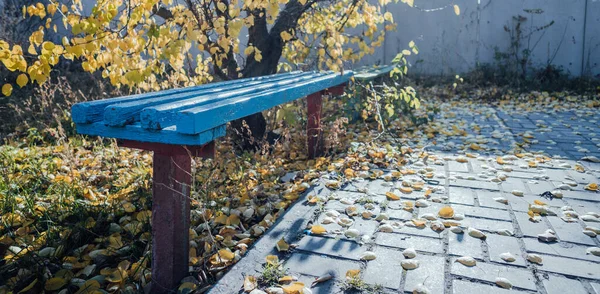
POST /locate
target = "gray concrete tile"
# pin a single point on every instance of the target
(330, 246)
(521, 278)
(560, 285)
(403, 241)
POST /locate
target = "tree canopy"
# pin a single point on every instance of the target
(152, 44)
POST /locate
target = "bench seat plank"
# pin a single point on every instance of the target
(117, 115)
(156, 117)
(372, 73)
(93, 111)
(136, 132)
(198, 119)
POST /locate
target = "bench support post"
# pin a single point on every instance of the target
(313, 128)
(172, 178)
(170, 220)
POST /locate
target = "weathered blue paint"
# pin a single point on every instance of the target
(135, 132)
(192, 121)
(370, 73)
(117, 115)
(196, 115)
(155, 117)
(93, 111)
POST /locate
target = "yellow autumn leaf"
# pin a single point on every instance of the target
(318, 230)
(22, 80)
(286, 279)
(233, 220)
(285, 36)
(250, 283)
(7, 89)
(272, 259)
(282, 245)
(352, 274)
(187, 287)
(456, 10)
(129, 207)
(406, 190)
(446, 212)
(475, 146)
(90, 286)
(226, 254)
(419, 222)
(592, 187)
(293, 288)
(392, 196)
(538, 202)
(54, 284)
(29, 287)
(499, 160)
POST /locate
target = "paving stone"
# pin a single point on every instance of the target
(329, 227)
(331, 286)
(582, 178)
(498, 244)
(430, 272)
(596, 287)
(463, 244)
(488, 224)
(560, 285)
(588, 196)
(569, 266)
(514, 184)
(529, 228)
(379, 187)
(330, 246)
(403, 241)
(583, 207)
(461, 195)
(522, 203)
(318, 265)
(420, 232)
(355, 185)
(489, 272)
(563, 249)
(570, 232)
(368, 227)
(524, 174)
(539, 187)
(385, 270)
(335, 205)
(483, 212)
(486, 199)
(412, 196)
(461, 286)
(455, 166)
(477, 184)
(399, 214)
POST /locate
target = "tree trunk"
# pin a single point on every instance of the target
(249, 132)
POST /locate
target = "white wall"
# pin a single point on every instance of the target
(454, 44)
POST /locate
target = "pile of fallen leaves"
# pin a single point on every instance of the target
(75, 213)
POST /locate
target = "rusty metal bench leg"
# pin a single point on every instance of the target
(313, 129)
(171, 187)
(170, 220)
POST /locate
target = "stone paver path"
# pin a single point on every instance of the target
(488, 190)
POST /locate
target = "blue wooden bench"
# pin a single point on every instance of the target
(180, 123)
(367, 74)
